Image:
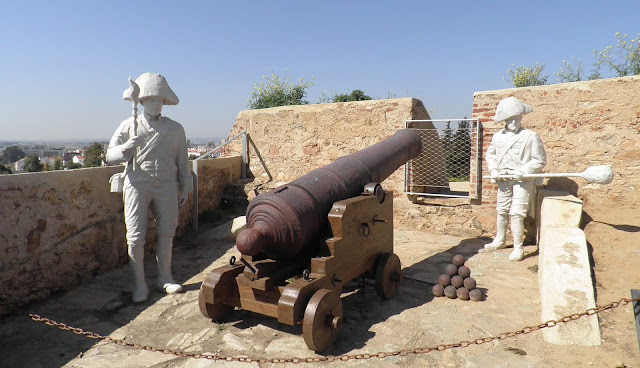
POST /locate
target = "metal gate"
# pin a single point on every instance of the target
(448, 165)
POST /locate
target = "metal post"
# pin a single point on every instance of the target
(245, 155)
(194, 215)
(636, 312)
(406, 165)
(478, 162)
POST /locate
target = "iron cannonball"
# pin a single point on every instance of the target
(463, 293)
(457, 281)
(464, 271)
(438, 290)
(451, 269)
(469, 283)
(475, 295)
(450, 292)
(444, 280)
(458, 260)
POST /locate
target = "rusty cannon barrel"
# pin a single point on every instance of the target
(280, 223)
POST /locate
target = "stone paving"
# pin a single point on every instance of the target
(413, 319)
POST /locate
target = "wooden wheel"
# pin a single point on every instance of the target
(388, 275)
(215, 311)
(322, 320)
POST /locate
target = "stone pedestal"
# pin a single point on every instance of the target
(564, 277)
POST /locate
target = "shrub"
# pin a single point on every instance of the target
(522, 76)
(571, 73)
(624, 59)
(355, 95)
(273, 91)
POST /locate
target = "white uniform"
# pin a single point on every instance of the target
(507, 153)
(161, 168)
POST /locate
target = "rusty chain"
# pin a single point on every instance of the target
(345, 357)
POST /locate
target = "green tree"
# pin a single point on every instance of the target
(5, 169)
(461, 155)
(522, 76)
(355, 95)
(457, 151)
(57, 164)
(273, 91)
(72, 165)
(33, 164)
(12, 154)
(447, 139)
(94, 155)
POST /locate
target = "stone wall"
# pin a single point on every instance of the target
(60, 228)
(293, 140)
(581, 124)
(289, 141)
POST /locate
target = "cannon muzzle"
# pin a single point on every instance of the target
(282, 222)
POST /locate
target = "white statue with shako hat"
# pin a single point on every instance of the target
(157, 177)
(514, 152)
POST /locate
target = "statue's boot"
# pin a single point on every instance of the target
(163, 255)
(501, 233)
(517, 229)
(136, 260)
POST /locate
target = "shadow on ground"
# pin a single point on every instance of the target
(104, 307)
(363, 308)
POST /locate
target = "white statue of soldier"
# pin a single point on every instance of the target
(514, 152)
(157, 177)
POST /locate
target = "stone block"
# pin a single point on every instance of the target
(559, 209)
(566, 286)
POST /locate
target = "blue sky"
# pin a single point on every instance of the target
(65, 64)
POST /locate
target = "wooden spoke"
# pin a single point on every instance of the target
(388, 275)
(322, 319)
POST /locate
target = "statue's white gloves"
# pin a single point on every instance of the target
(184, 197)
(123, 152)
(517, 174)
(130, 145)
(494, 174)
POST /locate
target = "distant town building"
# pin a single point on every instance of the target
(78, 159)
(198, 150)
(18, 166)
(44, 152)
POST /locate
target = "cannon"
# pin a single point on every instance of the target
(306, 239)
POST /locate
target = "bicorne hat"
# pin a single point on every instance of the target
(510, 107)
(153, 85)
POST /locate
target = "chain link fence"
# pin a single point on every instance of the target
(449, 162)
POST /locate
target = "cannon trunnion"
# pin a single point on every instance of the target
(306, 290)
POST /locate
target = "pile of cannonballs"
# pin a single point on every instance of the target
(456, 282)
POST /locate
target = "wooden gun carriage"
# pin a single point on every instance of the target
(305, 240)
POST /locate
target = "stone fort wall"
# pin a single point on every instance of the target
(581, 124)
(289, 141)
(293, 140)
(60, 228)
